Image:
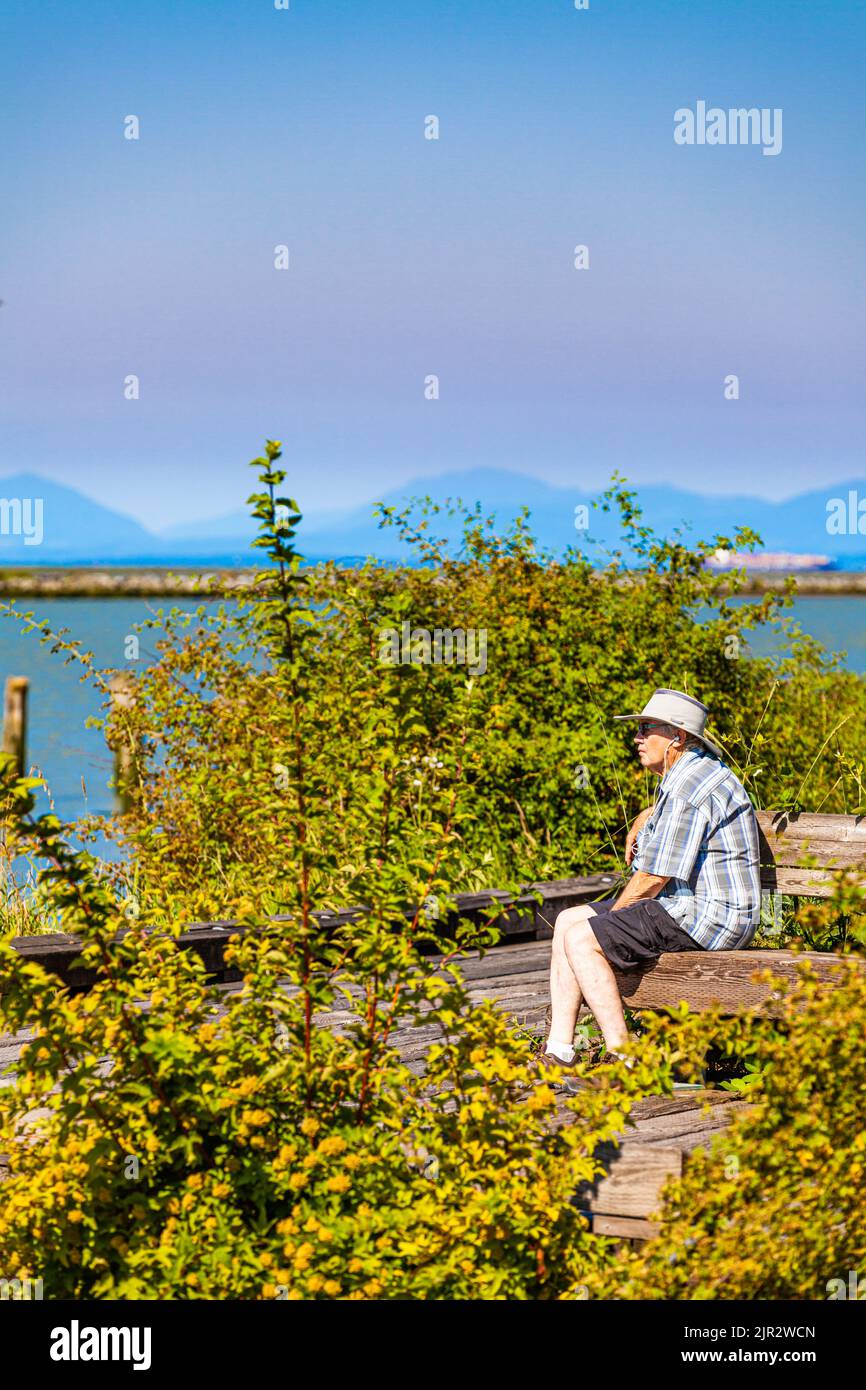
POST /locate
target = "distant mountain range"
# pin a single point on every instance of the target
(70, 528)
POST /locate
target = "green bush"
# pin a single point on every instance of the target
(775, 1209)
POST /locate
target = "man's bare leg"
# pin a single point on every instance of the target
(595, 981)
(565, 994)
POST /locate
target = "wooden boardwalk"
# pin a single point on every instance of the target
(801, 854)
(654, 1148)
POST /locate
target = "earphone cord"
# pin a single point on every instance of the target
(665, 762)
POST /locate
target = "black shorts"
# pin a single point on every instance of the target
(636, 935)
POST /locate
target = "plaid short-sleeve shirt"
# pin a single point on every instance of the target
(702, 836)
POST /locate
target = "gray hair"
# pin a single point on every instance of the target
(691, 740)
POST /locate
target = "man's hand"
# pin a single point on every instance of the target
(632, 835)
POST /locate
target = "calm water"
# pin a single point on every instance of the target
(839, 622)
(74, 759)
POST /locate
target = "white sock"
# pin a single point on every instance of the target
(564, 1052)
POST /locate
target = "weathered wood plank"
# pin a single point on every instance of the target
(678, 1125)
(787, 839)
(634, 1177)
(629, 1227)
(816, 828)
(724, 978)
(800, 883)
(683, 1100)
(529, 958)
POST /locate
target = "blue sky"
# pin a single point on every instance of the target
(410, 257)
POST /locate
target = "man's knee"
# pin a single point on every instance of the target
(574, 921)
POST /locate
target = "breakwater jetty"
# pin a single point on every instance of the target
(151, 582)
(123, 582)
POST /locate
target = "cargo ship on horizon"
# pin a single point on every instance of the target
(769, 560)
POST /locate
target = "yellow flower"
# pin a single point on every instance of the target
(309, 1125)
(340, 1182)
(540, 1098)
(298, 1180)
(332, 1145)
(221, 1189)
(332, 1288)
(352, 1161)
(355, 1265)
(255, 1118)
(315, 1282)
(75, 1216)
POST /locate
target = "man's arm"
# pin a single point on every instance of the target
(639, 886)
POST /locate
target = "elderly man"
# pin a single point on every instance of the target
(695, 882)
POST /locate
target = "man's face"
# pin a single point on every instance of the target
(653, 740)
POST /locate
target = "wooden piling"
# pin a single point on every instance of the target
(122, 686)
(15, 720)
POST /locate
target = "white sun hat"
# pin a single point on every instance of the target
(682, 711)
